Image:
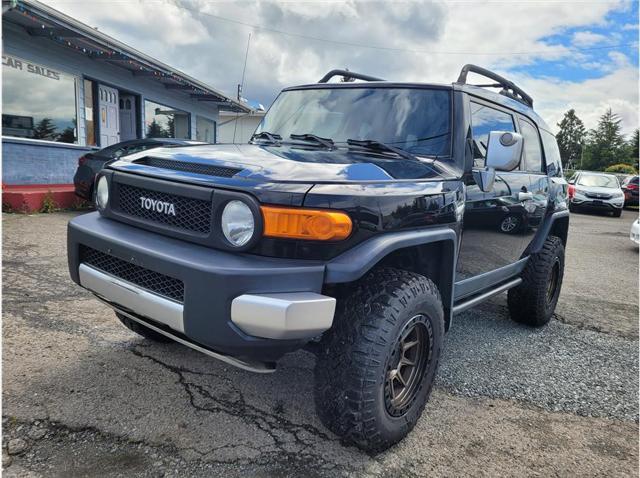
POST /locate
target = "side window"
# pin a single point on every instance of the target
(484, 120)
(551, 154)
(532, 149)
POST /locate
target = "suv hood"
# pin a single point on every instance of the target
(288, 163)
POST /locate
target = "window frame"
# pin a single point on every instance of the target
(497, 107)
(523, 160)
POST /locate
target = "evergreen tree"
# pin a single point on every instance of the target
(606, 145)
(68, 135)
(633, 147)
(155, 130)
(571, 138)
(171, 126)
(45, 129)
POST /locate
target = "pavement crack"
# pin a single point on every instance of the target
(273, 425)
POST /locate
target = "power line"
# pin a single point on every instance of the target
(378, 47)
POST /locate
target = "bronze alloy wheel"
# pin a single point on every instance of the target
(408, 362)
(552, 287)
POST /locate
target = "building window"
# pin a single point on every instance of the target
(205, 130)
(165, 122)
(37, 102)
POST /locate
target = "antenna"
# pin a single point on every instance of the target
(241, 86)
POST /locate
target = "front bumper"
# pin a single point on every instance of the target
(240, 305)
(611, 204)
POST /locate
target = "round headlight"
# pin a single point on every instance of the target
(102, 193)
(237, 223)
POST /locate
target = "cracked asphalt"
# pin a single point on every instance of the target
(83, 396)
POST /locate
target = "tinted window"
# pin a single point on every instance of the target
(532, 150)
(414, 119)
(484, 120)
(551, 154)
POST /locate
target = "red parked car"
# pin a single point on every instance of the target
(630, 188)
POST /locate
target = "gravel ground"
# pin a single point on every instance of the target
(558, 367)
(89, 398)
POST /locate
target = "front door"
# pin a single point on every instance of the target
(109, 116)
(495, 223)
(127, 117)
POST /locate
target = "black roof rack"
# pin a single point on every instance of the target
(346, 74)
(509, 88)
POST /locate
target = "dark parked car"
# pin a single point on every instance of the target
(90, 164)
(630, 190)
(346, 226)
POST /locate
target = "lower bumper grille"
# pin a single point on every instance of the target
(152, 281)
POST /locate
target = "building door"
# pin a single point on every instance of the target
(127, 117)
(109, 116)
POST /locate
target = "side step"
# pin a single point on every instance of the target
(257, 367)
(476, 299)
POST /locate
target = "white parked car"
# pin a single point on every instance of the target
(596, 191)
(634, 235)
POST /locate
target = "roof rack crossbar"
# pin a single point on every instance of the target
(348, 74)
(509, 88)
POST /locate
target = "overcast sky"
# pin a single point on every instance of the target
(558, 51)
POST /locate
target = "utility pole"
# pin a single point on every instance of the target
(240, 87)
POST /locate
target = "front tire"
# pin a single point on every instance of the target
(140, 329)
(378, 362)
(534, 300)
(617, 212)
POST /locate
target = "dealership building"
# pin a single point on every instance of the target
(68, 89)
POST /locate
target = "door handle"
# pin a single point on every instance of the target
(525, 196)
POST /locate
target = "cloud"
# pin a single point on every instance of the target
(208, 41)
(587, 38)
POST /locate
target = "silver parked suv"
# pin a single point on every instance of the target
(596, 191)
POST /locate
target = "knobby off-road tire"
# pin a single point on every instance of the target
(140, 329)
(533, 301)
(356, 375)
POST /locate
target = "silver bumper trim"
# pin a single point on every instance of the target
(290, 315)
(132, 297)
(257, 367)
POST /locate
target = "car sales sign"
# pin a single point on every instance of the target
(22, 65)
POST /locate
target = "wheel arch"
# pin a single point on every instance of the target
(556, 225)
(430, 252)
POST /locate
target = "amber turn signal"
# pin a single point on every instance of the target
(314, 224)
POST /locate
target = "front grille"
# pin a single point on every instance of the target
(190, 214)
(598, 195)
(152, 281)
(206, 169)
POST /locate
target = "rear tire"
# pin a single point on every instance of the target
(534, 300)
(387, 331)
(140, 329)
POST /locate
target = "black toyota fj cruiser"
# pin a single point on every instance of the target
(357, 222)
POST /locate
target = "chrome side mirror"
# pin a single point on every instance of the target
(504, 150)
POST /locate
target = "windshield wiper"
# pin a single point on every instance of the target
(273, 137)
(374, 145)
(326, 142)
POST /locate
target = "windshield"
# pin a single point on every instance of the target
(598, 180)
(417, 120)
